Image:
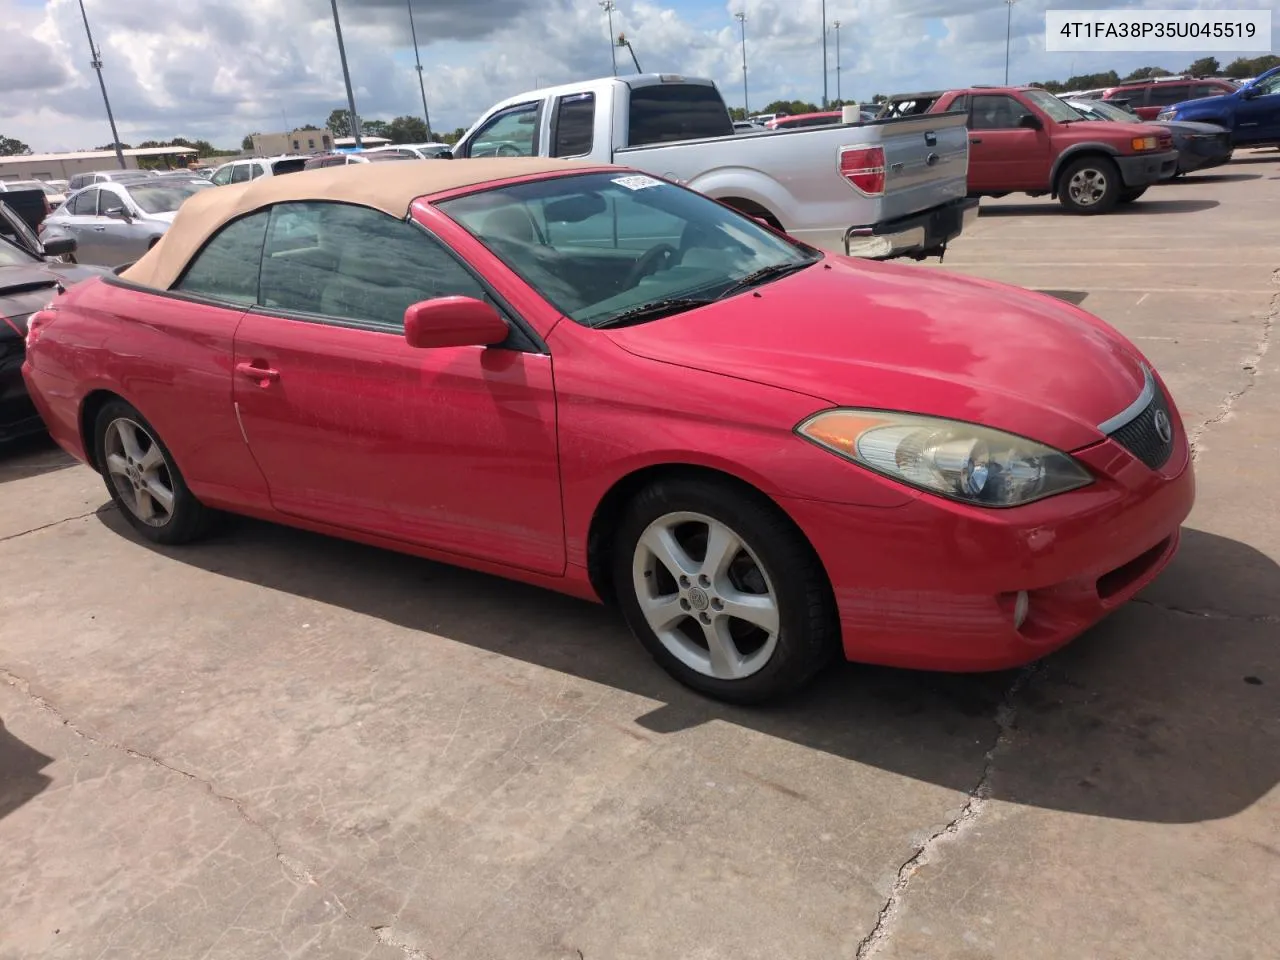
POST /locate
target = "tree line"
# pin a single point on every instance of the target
(1238, 69)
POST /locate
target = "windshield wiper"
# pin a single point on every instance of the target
(757, 277)
(652, 311)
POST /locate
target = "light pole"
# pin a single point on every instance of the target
(1008, 36)
(824, 54)
(836, 24)
(346, 78)
(96, 63)
(742, 21)
(608, 6)
(418, 60)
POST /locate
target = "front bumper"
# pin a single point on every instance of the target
(933, 585)
(1144, 169)
(1201, 154)
(918, 235)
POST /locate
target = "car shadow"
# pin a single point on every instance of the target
(1143, 207)
(20, 776)
(1124, 723)
(31, 457)
(1273, 158)
(1193, 178)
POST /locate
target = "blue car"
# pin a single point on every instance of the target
(1252, 113)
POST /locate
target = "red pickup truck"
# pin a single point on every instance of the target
(1026, 140)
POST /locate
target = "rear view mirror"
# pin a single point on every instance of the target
(1030, 121)
(59, 246)
(453, 322)
(575, 209)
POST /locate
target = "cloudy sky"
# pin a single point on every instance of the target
(218, 69)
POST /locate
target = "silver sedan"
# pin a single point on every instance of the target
(116, 223)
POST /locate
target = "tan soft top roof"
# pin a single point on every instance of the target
(389, 187)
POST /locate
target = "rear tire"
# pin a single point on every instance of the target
(143, 480)
(723, 591)
(1089, 186)
(1132, 194)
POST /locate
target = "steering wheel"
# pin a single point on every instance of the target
(507, 150)
(663, 256)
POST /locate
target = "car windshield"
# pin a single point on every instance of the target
(1054, 107)
(163, 197)
(602, 245)
(1101, 110)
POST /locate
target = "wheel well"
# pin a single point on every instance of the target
(753, 209)
(604, 522)
(154, 241)
(1072, 158)
(89, 409)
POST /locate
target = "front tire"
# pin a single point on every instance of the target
(1132, 194)
(1090, 185)
(723, 591)
(143, 480)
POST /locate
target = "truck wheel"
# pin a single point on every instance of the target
(1132, 194)
(1090, 185)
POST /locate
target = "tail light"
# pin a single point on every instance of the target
(864, 168)
(35, 323)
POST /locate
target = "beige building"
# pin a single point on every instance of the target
(306, 140)
(64, 166)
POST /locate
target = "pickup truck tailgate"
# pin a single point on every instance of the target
(926, 162)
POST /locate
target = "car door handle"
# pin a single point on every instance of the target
(100, 229)
(975, 139)
(253, 371)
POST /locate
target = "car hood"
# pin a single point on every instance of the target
(1190, 127)
(25, 289)
(1202, 103)
(862, 334)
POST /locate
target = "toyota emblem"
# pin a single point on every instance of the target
(1164, 429)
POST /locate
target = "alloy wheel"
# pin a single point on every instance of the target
(1088, 186)
(138, 471)
(706, 596)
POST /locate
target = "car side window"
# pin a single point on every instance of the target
(959, 103)
(257, 171)
(355, 263)
(1167, 94)
(240, 173)
(1206, 90)
(1269, 86)
(574, 124)
(512, 133)
(227, 267)
(221, 177)
(85, 204)
(996, 112)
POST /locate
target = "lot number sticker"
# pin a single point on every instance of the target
(637, 182)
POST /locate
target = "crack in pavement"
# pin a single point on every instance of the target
(55, 523)
(1250, 365)
(295, 868)
(1005, 719)
(1221, 615)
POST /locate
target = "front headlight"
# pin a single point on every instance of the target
(1167, 115)
(963, 461)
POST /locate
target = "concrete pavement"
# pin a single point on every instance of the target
(274, 744)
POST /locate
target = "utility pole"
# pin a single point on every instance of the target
(742, 20)
(608, 6)
(96, 63)
(836, 24)
(824, 54)
(1008, 36)
(418, 61)
(346, 78)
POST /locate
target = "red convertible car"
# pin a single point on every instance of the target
(594, 380)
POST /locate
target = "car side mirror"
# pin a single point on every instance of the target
(1030, 121)
(444, 155)
(59, 246)
(1249, 93)
(118, 213)
(453, 322)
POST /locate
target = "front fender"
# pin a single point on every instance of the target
(1073, 151)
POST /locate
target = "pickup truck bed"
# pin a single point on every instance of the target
(886, 188)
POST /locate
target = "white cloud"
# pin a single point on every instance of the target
(218, 69)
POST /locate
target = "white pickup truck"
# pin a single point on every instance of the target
(887, 188)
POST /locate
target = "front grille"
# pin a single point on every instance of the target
(1141, 437)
